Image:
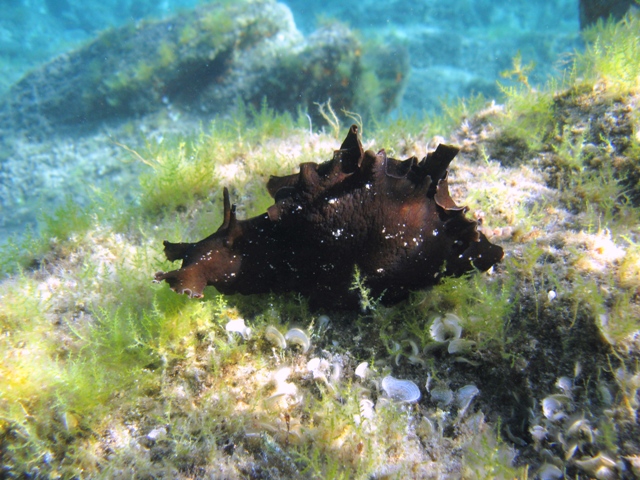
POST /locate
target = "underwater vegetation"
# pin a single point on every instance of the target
(393, 221)
(531, 370)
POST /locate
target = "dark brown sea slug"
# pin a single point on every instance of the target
(393, 220)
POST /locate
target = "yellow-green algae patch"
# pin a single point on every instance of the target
(105, 374)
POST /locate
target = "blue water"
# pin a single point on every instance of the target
(472, 36)
(456, 48)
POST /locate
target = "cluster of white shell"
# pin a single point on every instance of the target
(563, 435)
(447, 330)
(294, 336)
(326, 371)
(561, 425)
(445, 397)
(402, 392)
(330, 372)
(377, 389)
(286, 393)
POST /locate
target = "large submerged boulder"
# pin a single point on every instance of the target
(199, 62)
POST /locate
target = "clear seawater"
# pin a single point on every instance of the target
(456, 48)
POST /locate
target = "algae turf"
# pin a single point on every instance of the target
(105, 374)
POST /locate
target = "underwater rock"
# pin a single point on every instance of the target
(392, 221)
(194, 64)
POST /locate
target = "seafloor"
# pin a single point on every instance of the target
(528, 371)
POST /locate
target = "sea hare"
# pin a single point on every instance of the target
(393, 220)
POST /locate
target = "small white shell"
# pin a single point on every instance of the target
(362, 370)
(366, 409)
(281, 375)
(466, 360)
(157, 434)
(441, 395)
(238, 326)
(605, 394)
(415, 350)
(285, 395)
(565, 384)
(314, 364)
(319, 368)
(323, 321)
(577, 370)
(401, 390)
(634, 460)
(600, 466)
(272, 334)
(549, 471)
(464, 396)
(336, 372)
(416, 360)
(577, 435)
(425, 428)
(553, 407)
(298, 337)
(460, 345)
(580, 429)
(284, 389)
(446, 329)
(538, 432)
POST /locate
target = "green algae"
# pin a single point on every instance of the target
(612, 55)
